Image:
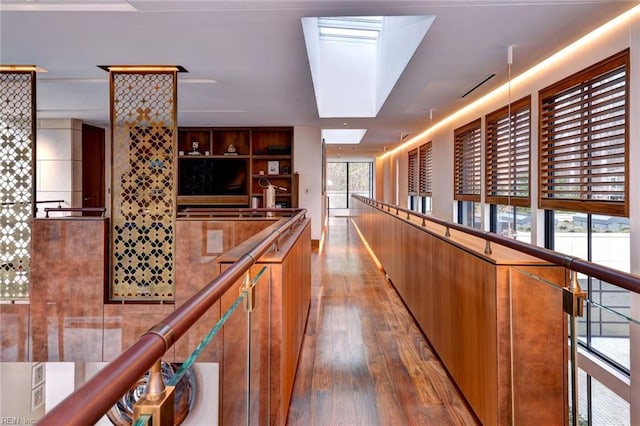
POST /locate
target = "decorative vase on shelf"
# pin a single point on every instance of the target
(194, 148)
(231, 150)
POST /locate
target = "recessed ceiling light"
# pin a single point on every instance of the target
(350, 28)
(213, 110)
(67, 6)
(74, 80)
(197, 80)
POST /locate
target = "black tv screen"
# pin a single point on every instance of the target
(212, 176)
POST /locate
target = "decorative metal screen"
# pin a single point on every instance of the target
(143, 192)
(17, 142)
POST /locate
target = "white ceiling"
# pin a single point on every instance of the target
(255, 52)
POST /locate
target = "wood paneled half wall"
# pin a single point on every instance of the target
(495, 320)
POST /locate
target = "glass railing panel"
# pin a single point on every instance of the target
(234, 391)
(534, 322)
(337, 200)
(241, 344)
(608, 313)
(143, 420)
(610, 320)
(260, 349)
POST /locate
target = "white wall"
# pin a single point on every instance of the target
(399, 39)
(59, 162)
(307, 154)
(15, 394)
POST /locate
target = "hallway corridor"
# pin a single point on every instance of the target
(364, 361)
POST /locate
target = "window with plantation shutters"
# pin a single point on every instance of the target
(507, 154)
(584, 140)
(426, 170)
(413, 172)
(467, 162)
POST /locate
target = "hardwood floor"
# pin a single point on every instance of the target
(364, 361)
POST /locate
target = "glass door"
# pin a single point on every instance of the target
(345, 179)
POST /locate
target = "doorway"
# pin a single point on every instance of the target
(345, 179)
(93, 159)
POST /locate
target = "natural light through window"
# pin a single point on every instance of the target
(353, 28)
(343, 136)
(356, 60)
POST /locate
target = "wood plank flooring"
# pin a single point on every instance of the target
(364, 361)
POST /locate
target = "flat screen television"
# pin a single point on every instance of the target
(213, 176)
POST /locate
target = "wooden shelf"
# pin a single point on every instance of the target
(278, 194)
(272, 157)
(236, 200)
(219, 180)
(272, 176)
(214, 156)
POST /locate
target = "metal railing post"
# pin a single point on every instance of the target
(572, 298)
(158, 399)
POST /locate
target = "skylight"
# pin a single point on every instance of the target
(354, 28)
(356, 60)
(343, 136)
(349, 33)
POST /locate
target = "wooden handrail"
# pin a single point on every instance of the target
(89, 402)
(50, 201)
(240, 212)
(612, 276)
(11, 203)
(101, 210)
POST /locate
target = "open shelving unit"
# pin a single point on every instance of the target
(229, 167)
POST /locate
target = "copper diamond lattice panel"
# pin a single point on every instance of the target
(143, 210)
(17, 105)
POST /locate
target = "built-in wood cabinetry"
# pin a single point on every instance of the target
(496, 320)
(230, 167)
